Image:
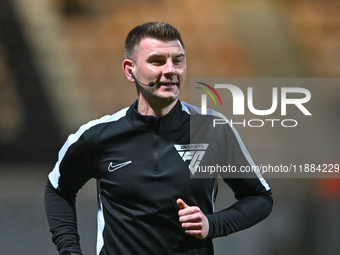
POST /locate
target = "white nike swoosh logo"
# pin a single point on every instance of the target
(112, 168)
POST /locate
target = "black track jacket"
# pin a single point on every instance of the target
(143, 164)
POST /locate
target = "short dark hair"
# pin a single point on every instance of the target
(157, 30)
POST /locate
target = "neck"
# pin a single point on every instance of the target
(154, 108)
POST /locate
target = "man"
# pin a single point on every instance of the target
(148, 202)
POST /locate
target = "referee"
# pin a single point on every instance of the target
(142, 156)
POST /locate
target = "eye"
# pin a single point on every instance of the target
(178, 61)
(157, 61)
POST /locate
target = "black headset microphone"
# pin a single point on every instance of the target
(151, 84)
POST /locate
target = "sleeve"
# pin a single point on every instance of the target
(251, 208)
(73, 169)
(253, 194)
(62, 219)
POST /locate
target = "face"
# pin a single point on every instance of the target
(164, 63)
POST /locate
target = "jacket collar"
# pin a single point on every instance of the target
(155, 123)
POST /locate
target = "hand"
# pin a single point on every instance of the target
(193, 220)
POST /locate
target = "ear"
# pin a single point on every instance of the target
(127, 66)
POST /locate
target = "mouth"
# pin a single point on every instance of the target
(168, 84)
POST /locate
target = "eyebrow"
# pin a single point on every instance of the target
(180, 55)
(162, 55)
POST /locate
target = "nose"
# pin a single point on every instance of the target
(169, 68)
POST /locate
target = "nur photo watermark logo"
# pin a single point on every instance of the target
(279, 100)
(290, 126)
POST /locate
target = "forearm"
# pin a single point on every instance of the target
(62, 219)
(241, 215)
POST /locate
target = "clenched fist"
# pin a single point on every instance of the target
(193, 220)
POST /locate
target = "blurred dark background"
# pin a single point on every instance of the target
(60, 66)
